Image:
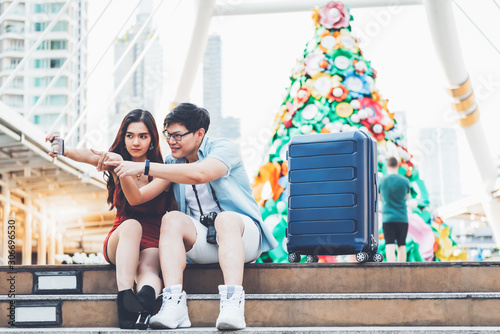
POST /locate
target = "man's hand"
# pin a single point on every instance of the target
(126, 168)
(105, 157)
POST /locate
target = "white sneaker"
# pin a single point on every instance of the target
(232, 307)
(173, 312)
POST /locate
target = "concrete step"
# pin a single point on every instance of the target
(266, 330)
(281, 310)
(278, 295)
(287, 278)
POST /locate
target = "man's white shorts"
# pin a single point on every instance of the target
(204, 253)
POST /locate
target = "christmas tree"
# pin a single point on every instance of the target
(332, 89)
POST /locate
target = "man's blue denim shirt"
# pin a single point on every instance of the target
(233, 190)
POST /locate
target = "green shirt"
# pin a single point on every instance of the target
(394, 188)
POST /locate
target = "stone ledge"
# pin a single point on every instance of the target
(311, 278)
(276, 296)
(64, 267)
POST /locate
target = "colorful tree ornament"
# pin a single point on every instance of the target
(332, 89)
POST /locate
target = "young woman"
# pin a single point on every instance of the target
(140, 202)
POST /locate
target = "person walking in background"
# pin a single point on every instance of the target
(394, 190)
(218, 219)
(140, 202)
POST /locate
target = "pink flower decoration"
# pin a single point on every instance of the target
(334, 15)
(313, 62)
(375, 112)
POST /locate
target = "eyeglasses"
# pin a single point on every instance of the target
(176, 137)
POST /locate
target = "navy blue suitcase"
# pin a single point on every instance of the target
(332, 203)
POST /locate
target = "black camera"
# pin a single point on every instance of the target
(208, 220)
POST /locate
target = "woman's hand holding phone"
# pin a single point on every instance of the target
(56, 145)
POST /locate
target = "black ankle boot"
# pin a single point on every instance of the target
(147, 297)
(126, 318)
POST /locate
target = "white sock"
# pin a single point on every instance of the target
(230, 290)
(175, 289)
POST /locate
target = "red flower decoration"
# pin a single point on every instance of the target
(333, 95)
(374, 109)
(292, 109)
(359, 67)
(302, 95)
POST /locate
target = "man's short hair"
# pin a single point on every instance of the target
(392, 162)
(189, 115)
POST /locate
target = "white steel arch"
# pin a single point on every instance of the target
(443, 29)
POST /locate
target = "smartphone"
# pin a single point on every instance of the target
(57, 146)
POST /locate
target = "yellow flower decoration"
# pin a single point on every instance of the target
(336, 80)
(347, 41)
(328, 41)
(315, 17)
(279, 118)
(320, 85)
(299, 69)
(446, 250)
(269, 173)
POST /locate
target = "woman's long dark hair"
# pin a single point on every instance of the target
(118, 146)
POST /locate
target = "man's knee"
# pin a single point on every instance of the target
(173, 221)
(227, 222)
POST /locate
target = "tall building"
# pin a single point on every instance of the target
(439, 164)
(20, 30)
(222, 127)
(143, 90)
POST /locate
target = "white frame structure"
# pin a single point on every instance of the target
(443, 29)
(23, 152)
(26, 167)
(30, 177)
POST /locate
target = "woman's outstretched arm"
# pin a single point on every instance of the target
(136, 195)
(81, 155)
(131, 190)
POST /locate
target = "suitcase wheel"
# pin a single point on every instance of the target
(293, 257)
(377, 257)
(362, 257)
(312, 258)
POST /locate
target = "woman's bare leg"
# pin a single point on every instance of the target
(148, 270)
(123, 251)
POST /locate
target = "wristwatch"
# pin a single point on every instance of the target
(146, 168)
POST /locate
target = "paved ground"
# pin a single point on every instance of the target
(267, 330)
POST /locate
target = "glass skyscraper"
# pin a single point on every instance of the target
(56, 55)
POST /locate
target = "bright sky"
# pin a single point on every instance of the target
(259, 51)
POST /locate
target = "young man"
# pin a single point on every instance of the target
(394, 189)
(209, 180)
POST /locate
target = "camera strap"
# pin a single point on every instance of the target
(198, 199)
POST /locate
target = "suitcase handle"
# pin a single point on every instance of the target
(376, 191)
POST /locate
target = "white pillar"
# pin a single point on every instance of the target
(27, 238)
(446, 42)
(51, 249)
(59, 243)
(42, 242)
(196, 50)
